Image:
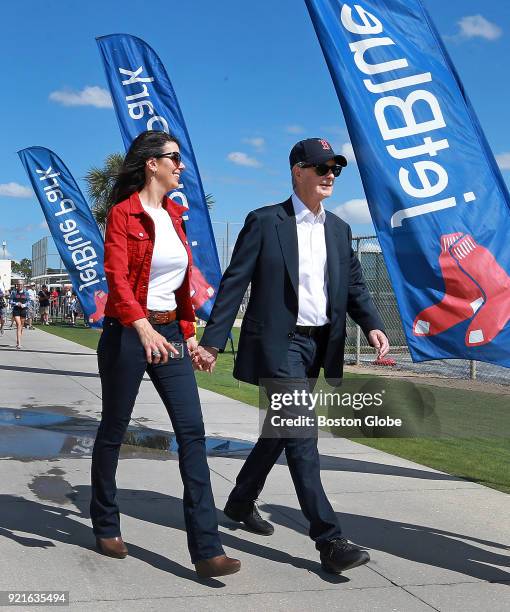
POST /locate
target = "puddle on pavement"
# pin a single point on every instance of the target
(27, 435)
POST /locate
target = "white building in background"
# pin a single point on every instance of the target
(5, 274)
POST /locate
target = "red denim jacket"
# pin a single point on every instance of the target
(129, 244)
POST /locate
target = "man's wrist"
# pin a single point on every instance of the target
(212, 348)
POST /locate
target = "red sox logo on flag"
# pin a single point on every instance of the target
(201, 290)
(100, 298)
(474, 281)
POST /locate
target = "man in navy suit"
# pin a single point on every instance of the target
(305, 279)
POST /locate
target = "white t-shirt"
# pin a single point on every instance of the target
(169, 262)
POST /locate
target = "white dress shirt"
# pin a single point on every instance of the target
(169, 262)
(313, 280)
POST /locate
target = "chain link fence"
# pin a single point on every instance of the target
(358, 351)
(225, 235)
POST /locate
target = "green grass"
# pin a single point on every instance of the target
(79, 334)
(482, 460)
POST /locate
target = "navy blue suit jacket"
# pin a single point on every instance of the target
(266, 255)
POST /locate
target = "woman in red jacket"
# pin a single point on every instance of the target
(149, 327)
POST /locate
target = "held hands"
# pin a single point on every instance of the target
(380, 342)
(194, 353)
(204, 358)
(155, 345)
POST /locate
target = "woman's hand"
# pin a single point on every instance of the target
(153, 342)
(192, 345)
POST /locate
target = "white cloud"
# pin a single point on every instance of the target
(354, 211)
(88, 96)
(242, 159)
(476, 26)
(15, 190)
(334, 129)
(257, 143)
(294, 129)
(43, 225)
(503, 160)
(348, 152)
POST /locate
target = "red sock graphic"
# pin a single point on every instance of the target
(481, 265)
(461, 300)
(100, 298)
(201, 290)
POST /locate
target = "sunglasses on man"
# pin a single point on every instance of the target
(322, 169)
(175, 156)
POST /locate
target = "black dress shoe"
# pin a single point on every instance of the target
(217, 566)
(247, 513)
(112, 547)
(339, 555)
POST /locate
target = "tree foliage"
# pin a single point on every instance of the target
(23, 267)
(100, 183)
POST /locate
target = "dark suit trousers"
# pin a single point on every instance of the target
(122, 364)
(301, 366)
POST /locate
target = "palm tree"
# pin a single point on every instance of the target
(210, 201)
(100, 182)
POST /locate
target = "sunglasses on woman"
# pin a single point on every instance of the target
(323, 169)
(175, 156)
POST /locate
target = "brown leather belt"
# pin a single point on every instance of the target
(159, 317)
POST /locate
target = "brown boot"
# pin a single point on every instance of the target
(217, 566)
(112, 547)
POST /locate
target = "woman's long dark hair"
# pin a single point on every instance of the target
(131, 177)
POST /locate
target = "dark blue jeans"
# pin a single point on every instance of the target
(301, 366)
(122, 364)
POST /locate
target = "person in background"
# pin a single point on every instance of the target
(68, 294)
(19, 302)
(32, 296)
(44, 304)
(54, 303)
(73, 308)
(3, 310)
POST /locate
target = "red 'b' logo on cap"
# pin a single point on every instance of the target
(325, 145)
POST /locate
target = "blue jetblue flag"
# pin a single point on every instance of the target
(437, 198)
(72, 226)
(144, 99)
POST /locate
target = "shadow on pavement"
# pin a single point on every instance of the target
(12, 349)
(418, 543)
(57, 524)
(51, 371)
(54, 523)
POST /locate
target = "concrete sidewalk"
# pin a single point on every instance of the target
(436, 542)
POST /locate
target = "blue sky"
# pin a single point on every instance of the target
(251, 81)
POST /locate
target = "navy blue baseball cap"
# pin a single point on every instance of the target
(314, 151)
